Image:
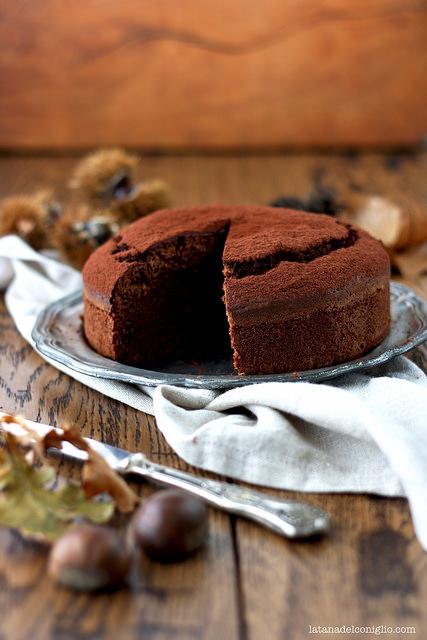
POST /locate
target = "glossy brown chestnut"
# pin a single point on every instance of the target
(89, 557)
(170, 525)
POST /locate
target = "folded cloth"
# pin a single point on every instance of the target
(359, 433)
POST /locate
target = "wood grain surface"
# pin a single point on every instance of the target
(196, 73)
(248, 584)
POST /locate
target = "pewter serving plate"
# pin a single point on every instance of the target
(58, 335)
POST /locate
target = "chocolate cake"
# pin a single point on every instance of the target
(281, 290)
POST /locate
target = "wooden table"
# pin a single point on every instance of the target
(247, 583)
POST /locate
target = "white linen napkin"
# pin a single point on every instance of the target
(359, 433)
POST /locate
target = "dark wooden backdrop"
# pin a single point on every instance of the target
(197, 73)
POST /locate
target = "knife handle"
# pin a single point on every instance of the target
(289, 518)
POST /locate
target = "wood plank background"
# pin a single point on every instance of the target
(248, 584)
(224, 74)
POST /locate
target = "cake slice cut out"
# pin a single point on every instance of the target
(168, 304)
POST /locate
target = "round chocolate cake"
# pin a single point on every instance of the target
(280, 290)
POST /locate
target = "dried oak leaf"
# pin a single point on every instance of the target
(97, 476)
(28, 504)
(26, 500)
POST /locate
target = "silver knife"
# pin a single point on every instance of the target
(289, 518)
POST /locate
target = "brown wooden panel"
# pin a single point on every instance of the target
(197, 73)
(372, 553)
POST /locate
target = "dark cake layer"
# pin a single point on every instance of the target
(316, 338)
(301, 290)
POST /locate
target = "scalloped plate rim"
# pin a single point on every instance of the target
(100, 367)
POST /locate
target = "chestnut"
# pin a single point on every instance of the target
(89, 557)
(170, 525)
